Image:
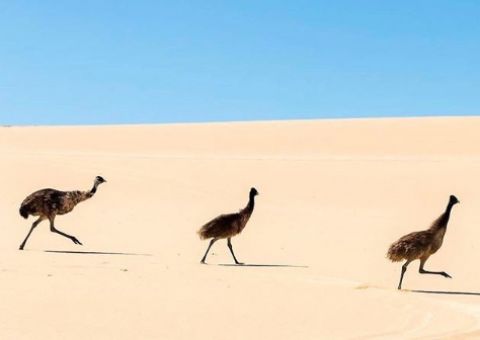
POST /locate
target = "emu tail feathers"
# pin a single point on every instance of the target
(396, 252)
(202, 233)
(24, 211)
(207, 230)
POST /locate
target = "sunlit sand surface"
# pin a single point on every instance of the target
(333, 196)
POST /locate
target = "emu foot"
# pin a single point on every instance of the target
(76, 241)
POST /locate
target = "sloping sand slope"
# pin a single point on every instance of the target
(333, 196)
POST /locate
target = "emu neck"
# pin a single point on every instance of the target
(447, 213)
(93, 190)
(250, 205)
(89, 194)
(442, 221)
(79, 196)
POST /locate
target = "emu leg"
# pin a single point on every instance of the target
(55, 230)
(40, 219)
(404, 269)
(209, 246)
(423, 271)
(231, 250)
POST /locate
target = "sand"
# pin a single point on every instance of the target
(333, 195)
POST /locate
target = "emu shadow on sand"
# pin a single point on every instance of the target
(48, 203)
(227, 226)
(422, 244)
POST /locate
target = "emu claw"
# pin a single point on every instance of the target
(446, 275)
(76, 241)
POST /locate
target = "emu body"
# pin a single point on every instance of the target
(48, 203)
(422, 244)
(227, 226)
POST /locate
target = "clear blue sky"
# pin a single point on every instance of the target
(115, 61)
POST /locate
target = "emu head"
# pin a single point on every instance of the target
(99, 180)
(453, 200)
(253, 192)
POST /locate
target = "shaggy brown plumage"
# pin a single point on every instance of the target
(227, 226)
(48, 203)
(422, 244)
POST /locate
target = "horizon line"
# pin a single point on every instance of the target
(240, 121)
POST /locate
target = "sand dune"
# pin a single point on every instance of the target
(333, 196)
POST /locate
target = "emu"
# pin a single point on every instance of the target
(422, 244)
(48, 203)
(227, 226)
